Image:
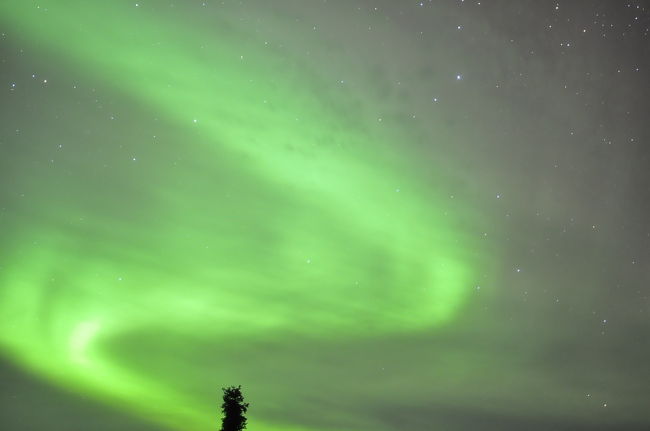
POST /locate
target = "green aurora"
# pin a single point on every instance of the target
(231, 214)
(282, 218)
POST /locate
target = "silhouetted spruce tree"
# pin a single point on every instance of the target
(233, 409)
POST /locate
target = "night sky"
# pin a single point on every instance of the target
(372, 215)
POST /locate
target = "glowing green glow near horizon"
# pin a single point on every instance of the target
(286, 215)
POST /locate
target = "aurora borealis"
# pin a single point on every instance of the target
(371, 215)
